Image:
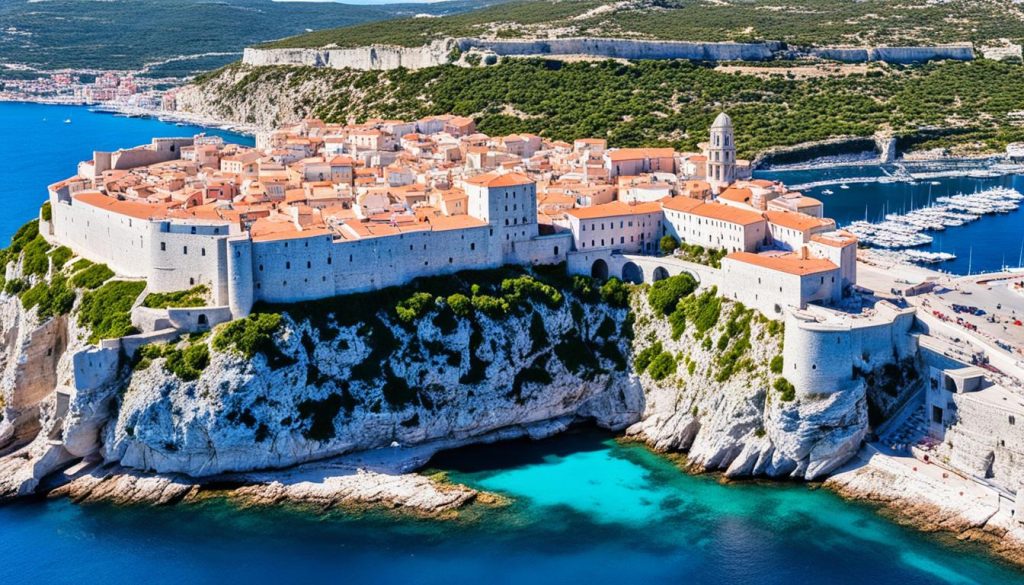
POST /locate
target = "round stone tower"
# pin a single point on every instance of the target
(240, 281)
(721, 152)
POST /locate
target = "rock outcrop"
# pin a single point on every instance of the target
(740, 424)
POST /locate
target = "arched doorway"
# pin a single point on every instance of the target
(203, 322)
(599, 270)
(660, 273)
(632, 273)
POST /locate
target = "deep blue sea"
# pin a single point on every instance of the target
(584, 509)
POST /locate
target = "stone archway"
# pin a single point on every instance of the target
(599, 270)
(631, 272)
(660, 273)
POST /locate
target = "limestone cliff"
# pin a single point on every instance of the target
(404, 374)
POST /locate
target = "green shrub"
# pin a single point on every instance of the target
(193, 297)
(105, 312)
(776, 365)
(81, 264)
(678, 322)
(645, 357)
(46, 211)
(414, 307)
(15, 286)
(60, 257)
(189, 363)
(584, 287)
(668, 244)
(249, 336)
(460, 304)
(522, 288)
(615, 293)
(785, 389)
(665, 294)
(491, 306)
(92, 276)
(52, 299)
(662, 366)
(35, 259)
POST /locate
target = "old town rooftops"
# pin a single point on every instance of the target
(793, 263)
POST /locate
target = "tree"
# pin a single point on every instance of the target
(668, 244)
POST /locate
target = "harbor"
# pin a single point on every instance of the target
(928, 210)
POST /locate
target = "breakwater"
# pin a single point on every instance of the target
(443, 51)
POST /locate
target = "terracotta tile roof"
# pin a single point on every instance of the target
(684, 204)
(736, 194)
(838, 239)
(136, 209)
(614, 209)
(788, 263)
(796, 220)
(727, 213)
(494, 179)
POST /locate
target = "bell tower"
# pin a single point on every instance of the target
(721, 152)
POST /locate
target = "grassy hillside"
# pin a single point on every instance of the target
(803, 22)
(126, 34)
(655, 102)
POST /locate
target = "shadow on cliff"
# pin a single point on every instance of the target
(503, 455)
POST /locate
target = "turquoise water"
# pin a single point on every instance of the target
(584, 509)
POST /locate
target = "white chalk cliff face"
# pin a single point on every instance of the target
(374, 384)
(328, 389)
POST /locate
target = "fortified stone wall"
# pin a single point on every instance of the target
(382, 57)
(626, 48)
(820, 357)
(121, 242)
(986, 439)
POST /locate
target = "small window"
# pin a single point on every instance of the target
(184, 250)
(163, 246)
(288, 265)
(202, 251)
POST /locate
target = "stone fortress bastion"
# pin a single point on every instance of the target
(440, 52)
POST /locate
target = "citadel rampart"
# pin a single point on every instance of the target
(440, 52)
(822, 355)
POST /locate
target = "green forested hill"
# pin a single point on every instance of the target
(126, 34)
(802, 22)
(978, 106)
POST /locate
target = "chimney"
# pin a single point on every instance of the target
(803, 253)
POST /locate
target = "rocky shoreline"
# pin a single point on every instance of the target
(918, 495)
